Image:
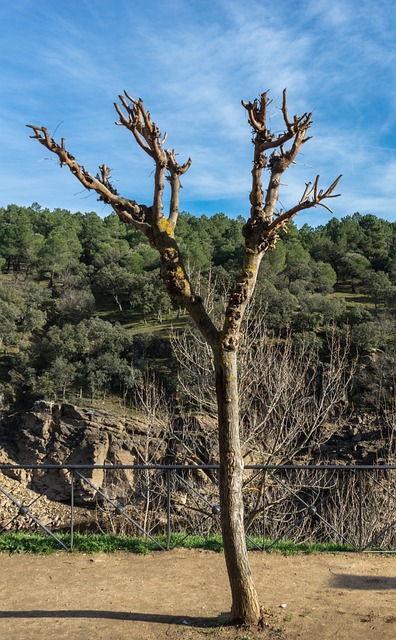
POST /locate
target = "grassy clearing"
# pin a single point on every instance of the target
(134, 324)
(36, 543)
(353, 299)
(106, 310)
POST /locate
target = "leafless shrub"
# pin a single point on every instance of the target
(290, 400)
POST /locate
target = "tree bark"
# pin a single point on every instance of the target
(245, 604)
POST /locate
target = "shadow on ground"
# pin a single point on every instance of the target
(375, 583)
(118, 615)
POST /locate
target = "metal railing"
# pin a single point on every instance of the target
(346, 505)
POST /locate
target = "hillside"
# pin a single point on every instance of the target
(84, 315)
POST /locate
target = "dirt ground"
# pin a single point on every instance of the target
(180, 594)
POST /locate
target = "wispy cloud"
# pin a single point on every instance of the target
(192, 62)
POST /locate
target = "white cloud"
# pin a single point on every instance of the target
(193, 62)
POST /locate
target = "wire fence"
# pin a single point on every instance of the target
(353, 506)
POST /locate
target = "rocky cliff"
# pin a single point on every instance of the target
(65, 434)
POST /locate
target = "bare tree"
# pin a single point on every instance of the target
(291, 401)
(260, 234)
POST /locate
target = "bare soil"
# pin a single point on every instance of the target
(182, 594)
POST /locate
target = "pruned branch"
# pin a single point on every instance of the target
(137, 119)
(149, 220)
(128, 210)
(257, 117)
(260, 231)
(263, 207)
(139, 122)
(312, 197)
(149, 138)
(175, 170)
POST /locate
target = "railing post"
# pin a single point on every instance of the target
(168, 508)
(72, 510)
(264, 511)
(360, 510)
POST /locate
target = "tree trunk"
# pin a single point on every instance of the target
(118, 301)
(245, 604)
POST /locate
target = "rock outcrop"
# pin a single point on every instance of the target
(64, 434)
(53, 434)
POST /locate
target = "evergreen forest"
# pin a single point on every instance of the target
(84, 315)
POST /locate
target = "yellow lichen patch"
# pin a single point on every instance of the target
(166, 226)
(180, 272)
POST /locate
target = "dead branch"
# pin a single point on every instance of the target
(137, 119)
(128, 210)
(263, 207)
(312, 197)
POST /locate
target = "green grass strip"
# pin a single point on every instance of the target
(37, 543)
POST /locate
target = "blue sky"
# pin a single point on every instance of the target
(64, 62)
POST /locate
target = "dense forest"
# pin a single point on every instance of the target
(83, 313)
